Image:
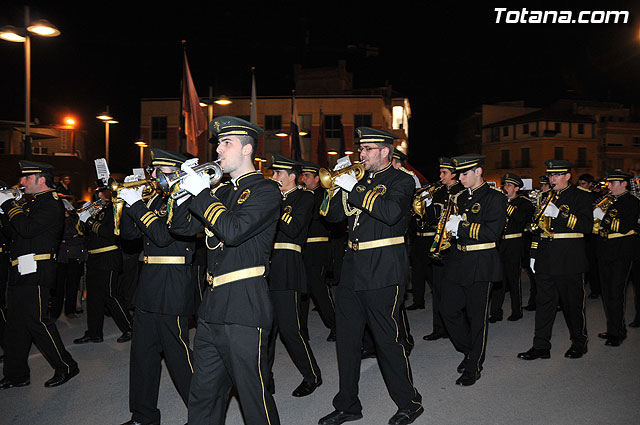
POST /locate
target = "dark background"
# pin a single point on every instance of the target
(446, 57)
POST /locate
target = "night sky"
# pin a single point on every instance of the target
(445, 57)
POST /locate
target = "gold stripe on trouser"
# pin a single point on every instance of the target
(38, 257)
(47, 329)
(285, 245)
(621, 235)
(103, 249)
(306, 349)
(512, 236)
(318, 239)
(404, 353)
(484, 327)
(264, 401)
(186, 347)
(168, 259)
(563, 236)
(377, 243)
(476, 247)
(116, 300)
(425, 233)
(234, 276)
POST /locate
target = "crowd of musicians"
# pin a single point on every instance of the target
(243, 257)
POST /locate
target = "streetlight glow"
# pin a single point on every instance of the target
(43, 28)
(12, 34)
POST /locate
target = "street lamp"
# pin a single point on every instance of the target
(40, 28)
(107, 119)
(142, 144)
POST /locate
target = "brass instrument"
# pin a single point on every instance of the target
(603, 203)
(118, 203)
(442, 239)
(540, 221)
(94, 208)
(418, 206)
(328, 177)
(166, 181)
(14, 192)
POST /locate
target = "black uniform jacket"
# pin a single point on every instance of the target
(99, 233)
(287, 267)
(563, 256)
(483, 212)
(241, 220)
(377, 208)
(519, 214)
(35, 227)
(620, 219)
(162, 288)
(317, 253)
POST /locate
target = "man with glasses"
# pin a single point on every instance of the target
(558, 259)
(373, 279)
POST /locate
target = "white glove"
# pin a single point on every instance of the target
(551, 210)
(342, 163)
(84, 215)
(346, 181)
(598, 213)
(4, 198)
(428, 202)
(131, 195)
(194, 183)
(191, 162)
(453, 224)
(532, 262)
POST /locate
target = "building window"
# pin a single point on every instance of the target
(582, 158)
(304, 122)
(557, 127)
(273, 122)
(40, 150)
(159, 132)
(495, 134)
(525, 158)
(558, 153)
(580, 128)
(362, 120)
(525, 128)
(333, 126)
(504, 158)
(636, 142)
(3, 147)
(505, 131)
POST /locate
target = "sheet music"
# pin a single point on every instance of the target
(102, 170)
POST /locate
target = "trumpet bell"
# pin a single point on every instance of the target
(328, 177)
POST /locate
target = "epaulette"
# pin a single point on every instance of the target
(411, 173)
(582, 188)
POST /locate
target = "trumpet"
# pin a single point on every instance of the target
(328, 177)
(118, 203)
(442, 239)
(166, 181)
(603, 203)
(427, 192)
(93, 208)
(16, 193)
(540, 221)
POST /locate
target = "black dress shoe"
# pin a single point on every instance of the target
(603, 335)
(415, 306)
(529, 307)
(7, 383)
(366, 354)
(575, 352)
(494, 319)
(635, 324)
(434, 336)
(514, 317)
(405, 416)
(126, 336)
(534, 353)
(338, 417)
(86, 338)
(61, 378)
(306, 388)
(468, 378)
(132, 422)
(613, 341)
(332, 336)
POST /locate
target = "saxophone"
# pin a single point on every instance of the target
(603, 203)
(442, 239)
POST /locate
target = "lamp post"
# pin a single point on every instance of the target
(41, 28)
(142, 144)
(107, 119)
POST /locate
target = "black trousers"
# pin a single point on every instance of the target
(321, 295)
(635, 277)
(593, 275)
(227, 356)
(379, 310)
(103, 291)
(569, 290)
(464, 312)
(511, 266)
(436, 298)
(286, 306)
(421, 269)
(157, 336)
(28, 321)
(613, 284)
(66, 291)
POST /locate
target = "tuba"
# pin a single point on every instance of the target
(166, 181)
(418, 204)
(118, 203)
(540, 221)
(603, 203)
(442, 239)
(328, 177)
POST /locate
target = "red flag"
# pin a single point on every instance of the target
(195, 122)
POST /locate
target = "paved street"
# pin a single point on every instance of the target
(600, 388)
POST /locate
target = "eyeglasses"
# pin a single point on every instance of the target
(556, 174)
(368, 148)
